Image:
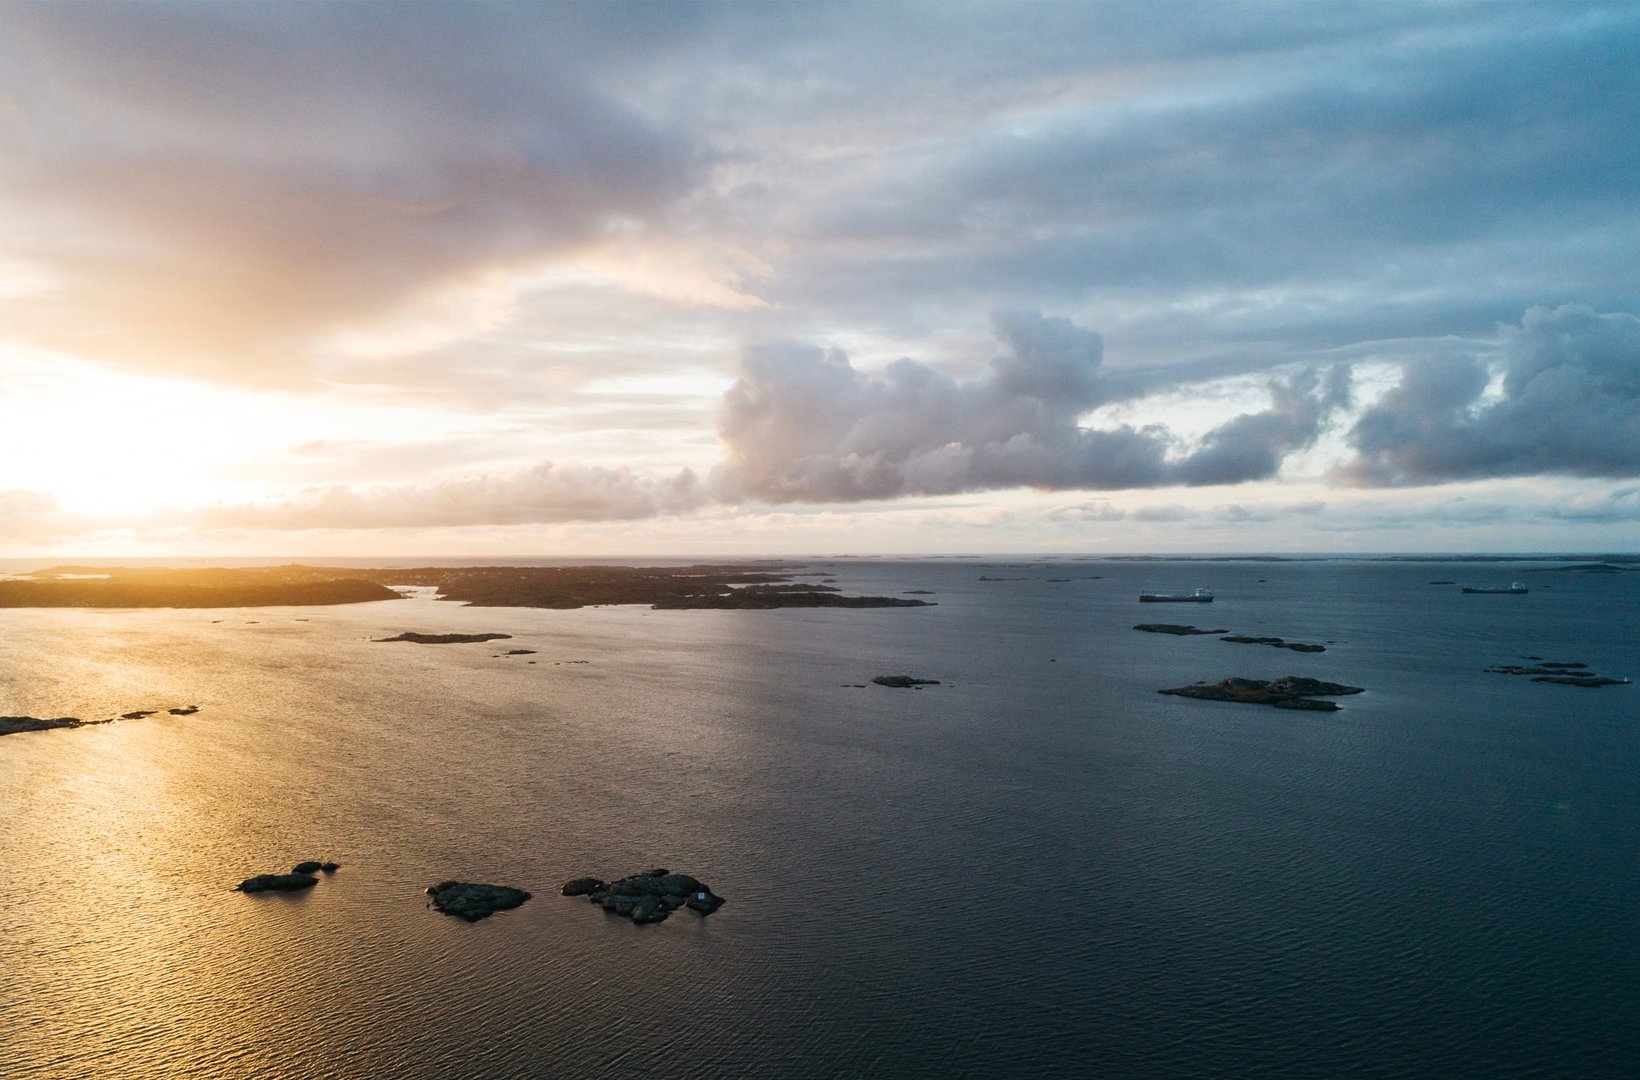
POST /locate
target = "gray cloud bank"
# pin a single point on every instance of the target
(1569, 403)
(801, 424)
(547, 493)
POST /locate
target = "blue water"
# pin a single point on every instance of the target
(1040, 867)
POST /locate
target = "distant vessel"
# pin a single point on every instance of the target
(1515, 587)
(1200, 596)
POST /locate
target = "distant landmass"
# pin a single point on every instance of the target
(686, 587)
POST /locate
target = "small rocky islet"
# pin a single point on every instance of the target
(648, 897)
(904, 682)
(304, 875)
(1287, 692)
(442, 639)
(1180, 630)
(473, 900)
(1273, 642)
(12, 725)
(1562, 673)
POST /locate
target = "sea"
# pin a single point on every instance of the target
(1037, 867)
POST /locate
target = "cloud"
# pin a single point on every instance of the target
(801, 424)
(1606, 508)
(211, 186)
(1568, 403)
(32, 517)
(541, 494)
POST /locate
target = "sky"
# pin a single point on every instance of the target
(626, 279)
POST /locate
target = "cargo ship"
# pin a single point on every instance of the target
(1200, 596)
(1514, 588)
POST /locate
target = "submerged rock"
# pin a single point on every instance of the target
(1287, 692)
(474, 901)
(187, 711)
(903, 682)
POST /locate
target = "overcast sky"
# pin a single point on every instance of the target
(762, 278)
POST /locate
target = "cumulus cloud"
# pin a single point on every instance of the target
(801, 424)
(541, 494)
(1568, 403)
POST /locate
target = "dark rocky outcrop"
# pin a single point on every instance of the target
(443, 639)
(582, 886)
(1563, 673)
(648, 897)
(314, 866)
(1273, 642)
(1173, 628)
(1287, 692)
(766, 599)
(12, 725)
(474, 901)
(903, 682)
(290, 882)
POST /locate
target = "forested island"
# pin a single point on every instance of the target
(682, 587)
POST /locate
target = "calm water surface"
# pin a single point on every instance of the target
(1039, 867)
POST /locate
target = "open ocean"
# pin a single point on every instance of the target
(1040, 867)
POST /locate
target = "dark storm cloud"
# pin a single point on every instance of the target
(1569, 403)
(801, 424)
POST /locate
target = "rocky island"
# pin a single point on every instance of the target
(668, 587)
(474, 901)
(444, 639)
(1561, 673)
(301, 876)
(1273, 642)
(12, 725)
(1177, 629)
(1287, 692)
(209, 587)
(903, 682)
(648, 897)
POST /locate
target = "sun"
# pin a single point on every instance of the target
(103, 443)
